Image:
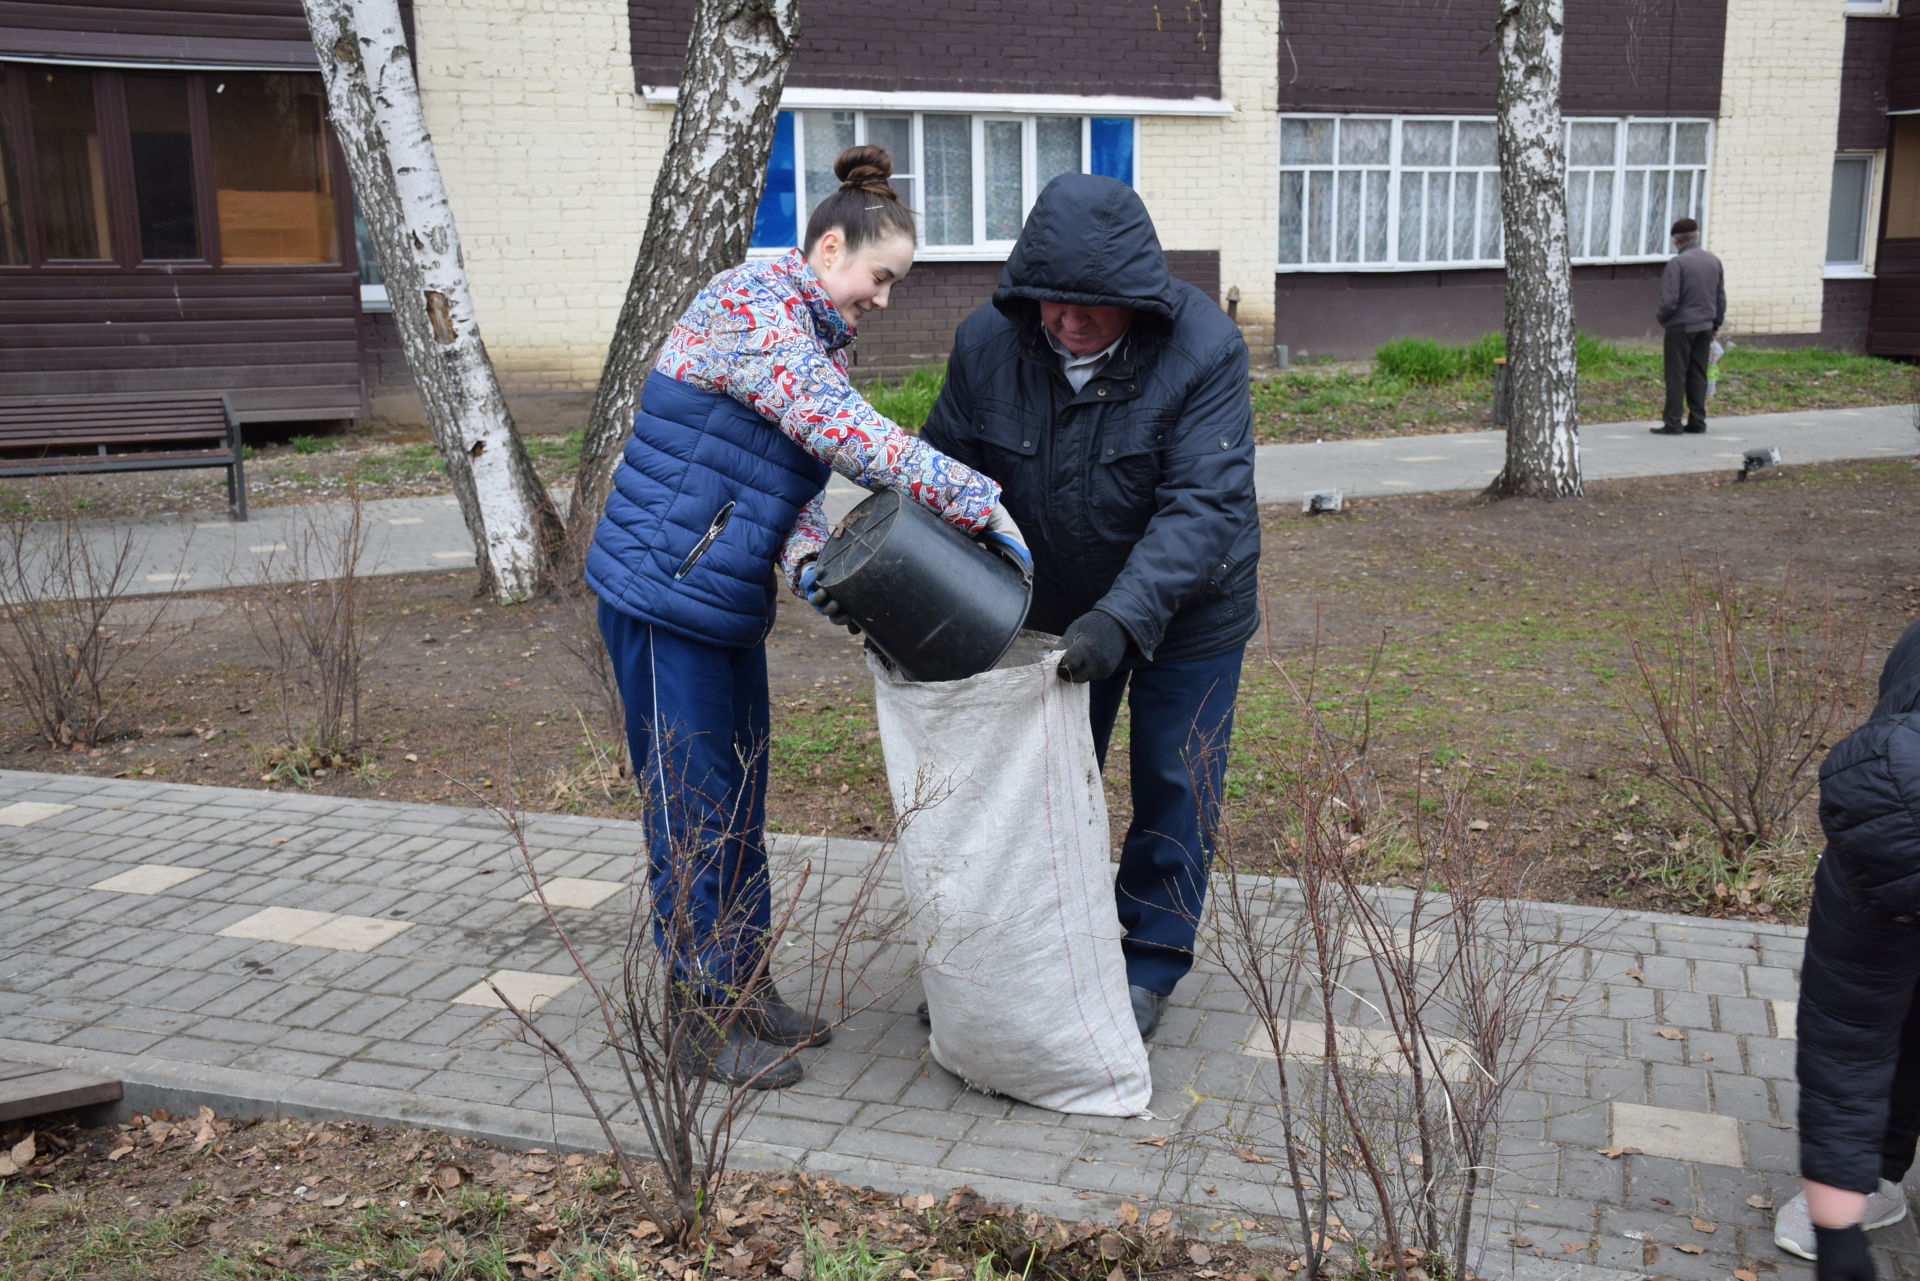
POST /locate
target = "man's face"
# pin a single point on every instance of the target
(1084, 330)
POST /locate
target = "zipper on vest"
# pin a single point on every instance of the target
(720, 519)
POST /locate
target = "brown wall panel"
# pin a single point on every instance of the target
(1348, 314)
(263, 33)
(1864, 72)
(1845, 309)
(1903, 76)
(978, 46)
(1893, 327)
(1644, 56)
(282, 344)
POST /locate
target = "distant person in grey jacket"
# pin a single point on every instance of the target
(1693, 305)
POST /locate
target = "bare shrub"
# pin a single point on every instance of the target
(60, 592)
(1736, 700)
(1398, 1021)
(313, 635)
(651, 1020)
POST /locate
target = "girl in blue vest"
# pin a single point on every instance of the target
(746, 411)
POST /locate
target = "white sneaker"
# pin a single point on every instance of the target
(1793, 1226)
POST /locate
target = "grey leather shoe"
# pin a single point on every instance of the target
(733, 1055)
(772, 1020)
(1148, 1005)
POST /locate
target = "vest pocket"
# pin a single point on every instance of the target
(719, 523)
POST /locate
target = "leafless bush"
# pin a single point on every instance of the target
(1398, 1021)
(60, 592)
(1737, 699)
(651, 1019)
(313, 635)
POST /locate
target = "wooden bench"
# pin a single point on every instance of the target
(66, 435)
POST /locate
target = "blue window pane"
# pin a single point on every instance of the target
(774, 223)
(1113, 147)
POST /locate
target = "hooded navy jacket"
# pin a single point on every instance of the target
(1859, 1014)
(1136, 494)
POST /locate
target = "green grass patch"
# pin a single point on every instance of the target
(909, 401)
(1418, 386)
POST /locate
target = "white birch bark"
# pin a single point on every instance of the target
(1543, 432)
(374, 102)
(700, 217)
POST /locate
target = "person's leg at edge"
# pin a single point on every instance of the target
(687, 714)
(1182, 721)
(1698, 345)
(1674, 365)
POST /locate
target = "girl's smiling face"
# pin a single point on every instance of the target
(860, 281)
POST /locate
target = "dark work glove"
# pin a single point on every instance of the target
(1841, 1254)
(1095, 646)
(818, 598)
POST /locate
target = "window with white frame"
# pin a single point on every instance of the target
(1847, 210)
(970, 177)
(1870, 8)
(1385, 193)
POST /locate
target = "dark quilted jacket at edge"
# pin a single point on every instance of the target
(1862, 971)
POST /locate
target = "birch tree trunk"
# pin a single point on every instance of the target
(374, 103)
(699, 221)
(1543, 431)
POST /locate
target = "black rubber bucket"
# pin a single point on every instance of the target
(937, 604)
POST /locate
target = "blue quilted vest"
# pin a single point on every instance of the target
(702, 502)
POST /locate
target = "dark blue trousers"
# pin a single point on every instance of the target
(697, 727)
(1182, 721)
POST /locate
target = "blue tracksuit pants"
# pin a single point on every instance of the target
(697, 726)
(1182, 721)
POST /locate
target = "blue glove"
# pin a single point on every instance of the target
(817, 596)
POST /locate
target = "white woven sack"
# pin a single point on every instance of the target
(1004, 862)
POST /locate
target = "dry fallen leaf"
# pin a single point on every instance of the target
(1520, 1243)
(1251, 1157)
(1670, 1033)
(1759, 1202)
(1745, 1274)
(1636, 976)
(1649, 1254)
(1572, 1247)
(1701, 1225)
(1111, 1246)
(1691, 1249)
(1127, 1215)
(1151, 1141)
(430, 1262)
(1200, 1255)
(1618, 1151)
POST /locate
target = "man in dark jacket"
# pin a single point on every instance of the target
(1111, 403)
(1859, 1014)
(1693, 305)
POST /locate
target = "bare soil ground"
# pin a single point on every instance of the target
(1489, 641)
(204, 1197)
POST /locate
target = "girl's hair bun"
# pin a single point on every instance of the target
(866, 168)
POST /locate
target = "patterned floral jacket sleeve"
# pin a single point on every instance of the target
(767, 335)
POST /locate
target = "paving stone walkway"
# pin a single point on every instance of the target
(277, 953)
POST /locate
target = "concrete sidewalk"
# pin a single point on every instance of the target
(414, 535)
(275, 953)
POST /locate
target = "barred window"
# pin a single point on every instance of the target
(1383, 193)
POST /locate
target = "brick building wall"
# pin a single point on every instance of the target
(548, 157)
(1167, 50)
(1209, 181)
(1773, 162)
(1621, 56)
